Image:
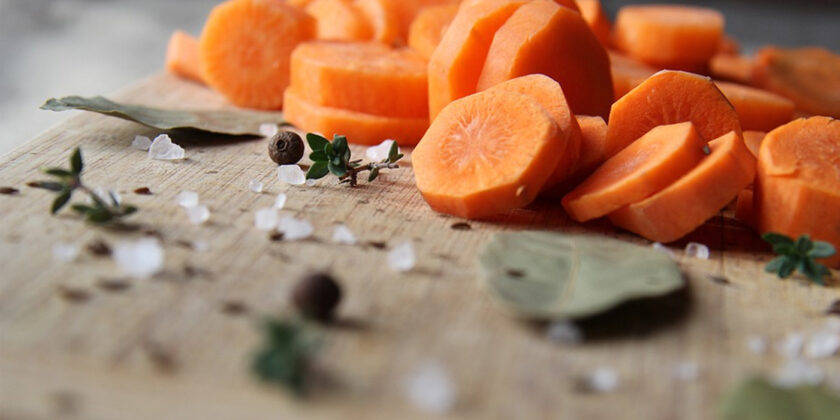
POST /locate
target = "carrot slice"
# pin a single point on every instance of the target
(384, 20)
(360, 128)
(245, 49)
(744, 207)
(182, 56)
(757, 109)
(549, 94)
(810, 77)
(696, 197)
(301, 4)
(753, 141)
(627, 73)
(669, 37)
(340, 20)
(542, 37)
(453, 68)
(367, 77)
(670, 97)
(428, 28)
(729, 45)
(650, 164)
(731, 67)
(597, 19)
(797, 190)
(475, 161)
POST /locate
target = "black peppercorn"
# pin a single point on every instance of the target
(316, 296)
(285, 148)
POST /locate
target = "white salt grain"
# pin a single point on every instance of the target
(162, 148)
(822, 344)
(291, 174)
(697, 250)
(791, 346)
(141, 259)
(141, 143)
(268, 129)
(380, 152)
(294, 229)
(280, 201)
(311, 182)
(798, 372)
(602, 380)
(686, 371)
(187, 199)
(662, 248)
(343, 235)
(198, 214)
(200, 246)
(431, 389)
(255, 186)
(757, 344)
(107, 196)
(65, 252)
(402, 257)
(266, 219)
(563, 332)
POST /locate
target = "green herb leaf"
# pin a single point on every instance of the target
(339, 144)
(48, 185)
(318, 170)
(318, 156)
(393, 152)
(788, 267)
(284, 356)
(756, 398)
(60, 201)
(798, 255)
(822, 250)
(804, 244)
(373, 174)
(58, 172)
(337, 170)
(76, 163)
(316, 142)
(775, 265)
(777, 238)
(81, 208)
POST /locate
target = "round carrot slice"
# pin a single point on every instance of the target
(369, 77)
(475, 161)
(359, 128)
(428, 28)
(670, 97)
(182, 56)
(650, 164)
(245, 49)
(340, 20)
(753, 141)
(627, 73)
(797, 190)
(696, 197)
(383, 18)
(543, 37)
(757, 109)
(810, 77)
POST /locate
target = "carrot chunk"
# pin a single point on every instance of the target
(340, 20)
(810, 77)
(627, 73)
(543, 37)
(731, 67)
(475, 161)
(696, 197)
(670, 97)
(757, 109)
(669, 37)
(384, 20)
(428, 27)
(182, 56)
(643, 168)
(360, 128)
(797, 190)
(246, 46)
(597, 19)
(366, 77)
(744, 207)
(753, 141)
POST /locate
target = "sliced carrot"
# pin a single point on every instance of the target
(797, 190)
(549, 94)
(669, 37)
(744, 207)
(596, 18)
(728, 45)
(670, 97)
(245, 49)
(642, 169)
(428, 28)
(367, 77)
(593, 131)
(810, 77)
(757, 109)
(627, 73)
(340, 20)
(731, 67)
(301, 4)
(360, 128)
(475, 161)
(753, 141)
(542, 37)
(384, 20)
(454, 66)
(182, 57)
(571, 4)
(408, 10)
(696, 197)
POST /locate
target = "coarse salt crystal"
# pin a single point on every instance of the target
(162, 148)
(798, 372)
(280, 201)
(65, 252)
(379, 152)
(200, 246)
(697, 250)
(198, 214)
(563, 332)
(291, 174)
(602, 380)
(294, 229)
(268, 129)
(791, 346)
(187, 199)
(141, 259)
(662, 248)
(343, 235)
(402, 257)
(822, 344)
(266, 219)
(255, 186)
(430, 388)
(757, 344)
(141, 143)
(311, 182)
(686, 371)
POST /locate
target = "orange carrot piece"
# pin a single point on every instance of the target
(669, 37)
(384, 20)
(300, 4)
(731, 67)
(549, 94)
(757, 109)
(407, 11)
(696, 197)
(360, 128)
(651, 163)
(543, 37)
(728, 45)
(753, 141)
(340, 20)
(810, 77)
(453, 67)
(571, 4)
(670, 97)
(475, 161)
(797, 190)
(428, 28)
(744, 207)
(593, 131)
(597, 19)
(245, 49)
(182, 57)
(627, 73)
(366, 77)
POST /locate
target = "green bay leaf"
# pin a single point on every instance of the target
(544, 275)
(757, 399)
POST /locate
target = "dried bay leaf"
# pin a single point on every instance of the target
(544, 275)
(758, 399)
(236, 123)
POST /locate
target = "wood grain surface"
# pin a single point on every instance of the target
(78, 340)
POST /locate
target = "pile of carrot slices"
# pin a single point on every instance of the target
(655, 121)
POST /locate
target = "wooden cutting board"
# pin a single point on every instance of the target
(167, 347)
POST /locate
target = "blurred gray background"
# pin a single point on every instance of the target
(88, 47)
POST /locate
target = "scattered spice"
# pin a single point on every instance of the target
(153, 233)
(276, 236)
(461, 226)
(834, 308)
(162, 359)
(719, 280)
(316, 296)
(377, 244)
(73, 295)
(234, 307)
(515, 273)
(285, 148)
(113, 285)
(99, 247)
(8, 191)
(798, 255)
(335, 158)
(143, 191)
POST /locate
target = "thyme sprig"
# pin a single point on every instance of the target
(334, 157)
(798, 255)
(284, 357)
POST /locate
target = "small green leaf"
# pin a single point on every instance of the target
(129, 209)
(787, 267)
(373, 174)
(777, 238)
(316, 142)
(60, 201)
(804, 244)
(785, 249)
(76, 163)
(337, 161)
(48, 185)
(393, 152)
(775, 264)
(329, 151)
(337, 170)
(339, 143)
(318, 170)
(61, 173)
(99, 216)
(81, 208)
(822, 250)
(318, 156)
(808, 268)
